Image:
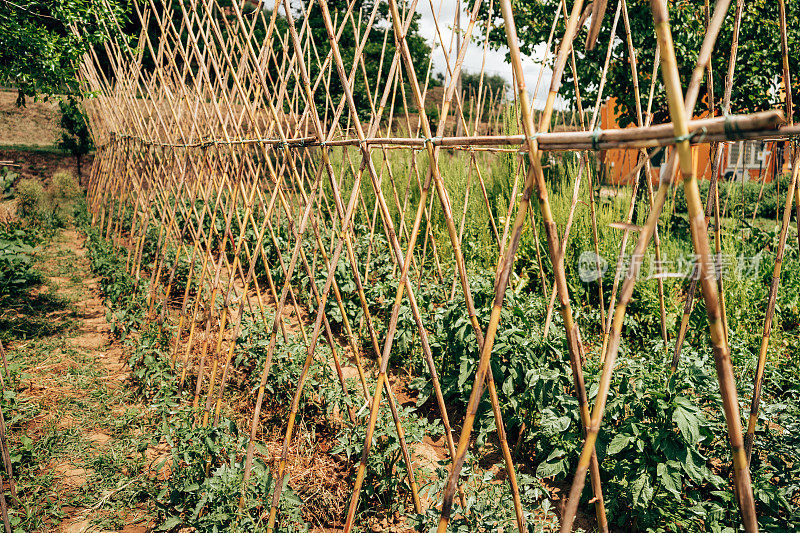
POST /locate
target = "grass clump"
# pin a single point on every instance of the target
(65, 186)
(31, 200)
(54, 206)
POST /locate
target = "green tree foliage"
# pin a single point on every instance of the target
(758, 68)
(494, 88)
(75, 137)
(39, 52)
(373, 59)
(471, 81)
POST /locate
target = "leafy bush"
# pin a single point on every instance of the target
(31, 200)
(17, 265)
(322, 394)
(65, 186)
(205, 483)
(118, 286)
(150, 368)
(52, 207)
(490, 504)
(7, 179)
(385, 485)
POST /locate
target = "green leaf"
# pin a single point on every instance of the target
(688, 423)
(641, 489)
(551, 469)
(694, 466)
(670, 479)
(170, 523)
(554, 465)
(618, 443)
(508, 387)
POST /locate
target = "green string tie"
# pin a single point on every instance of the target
(701, 133)
(732, 130)
(596, 138)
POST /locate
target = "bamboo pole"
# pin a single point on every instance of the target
(758, 380)
(764, 125)
(713, 194)
(791, 194)
(710, 293)
(679, 109)
(535, 177)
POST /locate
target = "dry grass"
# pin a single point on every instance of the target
(317, 477)
(35, 125)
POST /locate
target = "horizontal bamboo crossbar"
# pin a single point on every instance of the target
(765, 125)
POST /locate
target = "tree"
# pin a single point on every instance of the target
(39, 53)
(75, 137)
(374, 61)
(494, 86)
(758, 67)
(471, 81)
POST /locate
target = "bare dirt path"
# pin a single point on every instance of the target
(80, 435)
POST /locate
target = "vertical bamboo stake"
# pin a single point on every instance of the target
(713, 190)
(787, 86)
(678, 111)
(727, 384)
(534, 178)
(758, 380)
(6, 455)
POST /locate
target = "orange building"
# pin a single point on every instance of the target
(748, 160)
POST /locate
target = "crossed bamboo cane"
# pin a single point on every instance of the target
(163, 182)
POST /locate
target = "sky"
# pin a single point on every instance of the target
(495, 59)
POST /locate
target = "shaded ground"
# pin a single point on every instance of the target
(41, 164)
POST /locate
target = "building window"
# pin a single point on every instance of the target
(744, 155)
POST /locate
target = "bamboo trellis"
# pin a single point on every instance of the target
(208, 131)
